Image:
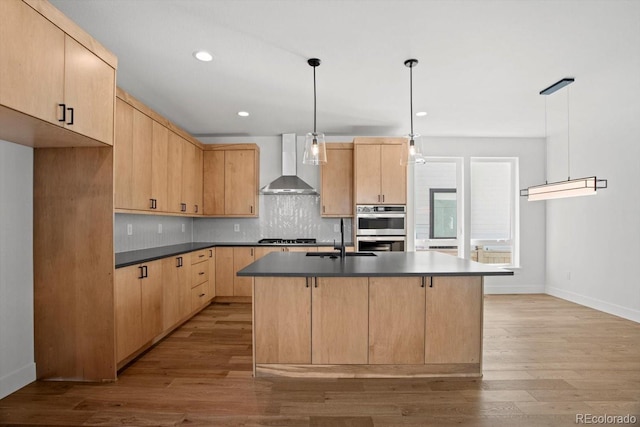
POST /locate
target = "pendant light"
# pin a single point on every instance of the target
(315, 150)
(412, 149)
(588, 186)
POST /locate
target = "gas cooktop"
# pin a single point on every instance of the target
(273, 241)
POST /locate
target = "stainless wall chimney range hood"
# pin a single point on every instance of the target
(289, 182)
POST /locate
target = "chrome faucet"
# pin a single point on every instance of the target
(341, 248)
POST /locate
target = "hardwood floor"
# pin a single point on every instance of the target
(545, 360)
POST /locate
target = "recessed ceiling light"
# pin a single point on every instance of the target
(243, 113)
(421, 113)
(203, 55)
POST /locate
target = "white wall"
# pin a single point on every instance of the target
(530, 277)
(17, 366)
(593, 243)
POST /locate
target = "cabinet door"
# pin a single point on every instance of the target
(31, 62)
(197, 181)
(188, 176)
(339, 320)
(159, 164)
(127, 311)
(213, 177)
(242, 256)
(174, 173)
(336, 192)
(454, 320)
(282, 336)
(212, 273)
(142, 152)
(240, 182)
(151, 301)
(123, 155)
(396, 320)
(89, 88)
(367, 174)
(176, 275)
(393, 175)
(224, 272)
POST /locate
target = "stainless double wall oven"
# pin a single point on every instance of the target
(381, 227)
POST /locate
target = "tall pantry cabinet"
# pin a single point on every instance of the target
(57, 95)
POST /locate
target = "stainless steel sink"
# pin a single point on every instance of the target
(336, 254)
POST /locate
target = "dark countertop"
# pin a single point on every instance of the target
(388, 264)
(125, 259)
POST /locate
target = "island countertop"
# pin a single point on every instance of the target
(384, 264)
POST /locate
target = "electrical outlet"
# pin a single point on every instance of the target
(183, 228)
(236, 227)
(159, 228)
(336, 228)
(129, 229)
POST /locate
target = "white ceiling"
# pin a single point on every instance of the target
(482, 63)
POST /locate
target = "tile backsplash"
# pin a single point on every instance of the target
(287, 217)
(145, 231)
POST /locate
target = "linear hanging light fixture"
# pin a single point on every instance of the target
(412, 149)
(571, 187)
(315, 150)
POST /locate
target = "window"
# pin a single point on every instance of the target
(442, 175)
(494, 186)
(443, 220)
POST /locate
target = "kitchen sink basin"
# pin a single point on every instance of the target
(337, 254)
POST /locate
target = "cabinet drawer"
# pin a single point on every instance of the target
(199, 296)
(199, 256)
(199, 273)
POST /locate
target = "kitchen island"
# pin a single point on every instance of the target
(395, 314)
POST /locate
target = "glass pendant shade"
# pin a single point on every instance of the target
(315, 149)
(412, 150)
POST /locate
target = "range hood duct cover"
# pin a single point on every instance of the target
(289, 182)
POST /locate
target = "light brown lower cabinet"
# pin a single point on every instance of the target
(228, 261)
(138, 306)
(153, 298)
(176, 275)
(396, 320)
(211, 290)
(368, 326)
(282, 336)
(454, 320)
(199, 279)
(339, 320)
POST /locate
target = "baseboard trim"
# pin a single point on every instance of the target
(513, 289)
(17, 379)
(607, 307)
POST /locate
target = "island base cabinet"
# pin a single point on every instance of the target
(339, 320)
(454, 320)
(396, 320)
(282, 336)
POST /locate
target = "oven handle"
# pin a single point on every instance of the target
(386, 215)
(381, 238)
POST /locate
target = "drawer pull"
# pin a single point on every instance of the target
(201, 273)
(201, 256)
(201, 295)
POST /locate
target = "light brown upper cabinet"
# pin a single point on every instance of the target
(231, 179)
(156, 168)
(336, 176)
(379, 178)
(191, 178)
(49, 75)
